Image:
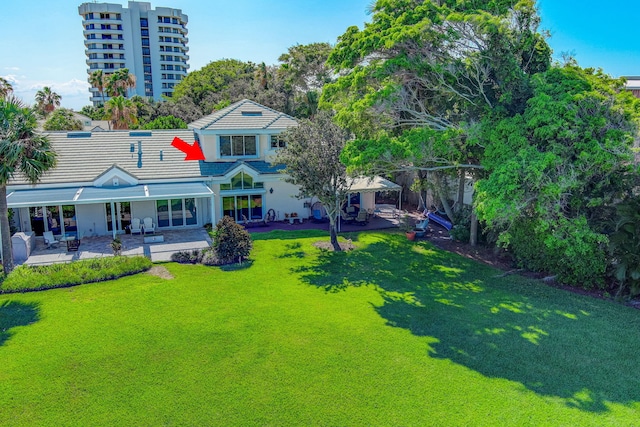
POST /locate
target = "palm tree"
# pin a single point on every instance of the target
(47, 100)
(120, 82)
(21, 151)
(97, 80)
(5, 87)
(121, 112)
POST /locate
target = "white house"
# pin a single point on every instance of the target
(104, 180)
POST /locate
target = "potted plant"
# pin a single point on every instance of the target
(116, 246)
(406, 225)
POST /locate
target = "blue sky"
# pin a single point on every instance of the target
(43, 44)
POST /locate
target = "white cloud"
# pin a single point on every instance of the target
(12, 68)
(74, 92)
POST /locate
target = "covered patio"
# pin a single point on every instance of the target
(100, 246)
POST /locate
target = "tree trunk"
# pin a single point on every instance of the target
(473, 237)
(461, 180)
(443, 196)
(334, 236)
(5, 231)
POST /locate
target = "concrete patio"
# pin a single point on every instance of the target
(93, 247)
(181, 240)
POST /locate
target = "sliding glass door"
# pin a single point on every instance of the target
(242, 208)
(176, 212)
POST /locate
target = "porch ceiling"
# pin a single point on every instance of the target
(89, 195)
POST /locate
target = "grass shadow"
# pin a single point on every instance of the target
(14, 314)
(552, 342)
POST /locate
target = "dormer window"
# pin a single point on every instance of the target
(238, 146)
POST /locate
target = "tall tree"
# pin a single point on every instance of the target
(22, 151)
(432, 69)
(304, 71)
(312, 159)
(121, 112)
(120, 82)
(97, 80)
(5, 87)
(555, 172)
(47, 100)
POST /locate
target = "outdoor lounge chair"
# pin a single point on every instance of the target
(362, 218)
(345, 217)
(135, 227)
(49, 239)
(147, 224)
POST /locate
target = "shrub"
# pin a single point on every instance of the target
(32, 278)
(231, 242)
(187, 257)
(569, 249)
(624, 262)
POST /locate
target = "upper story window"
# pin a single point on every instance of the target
(90, 26)
(277, 142)
(238, 145)
(144, 32)
(105, 26)
(106, 36)
(107, 46)
(105, 16)
(144, 22)
(88, 16)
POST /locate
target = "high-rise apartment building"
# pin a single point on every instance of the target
(151, 43)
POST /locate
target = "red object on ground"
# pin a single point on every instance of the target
(193, 152)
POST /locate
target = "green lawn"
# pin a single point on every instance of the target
(394, 333)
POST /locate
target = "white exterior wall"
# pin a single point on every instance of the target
(283, 200)
(144, 209)
(91, 220)
(209, 145)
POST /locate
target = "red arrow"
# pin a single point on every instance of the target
(193, 152)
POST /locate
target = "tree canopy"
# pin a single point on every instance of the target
(556, 171)
(62, 119)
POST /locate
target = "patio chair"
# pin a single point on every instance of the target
(362, 218)
(73, 243)
(49, 239)
(147, 224)
(345, 217)
(135, 226)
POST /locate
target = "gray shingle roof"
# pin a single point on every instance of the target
(245, 114)
(83, 159)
